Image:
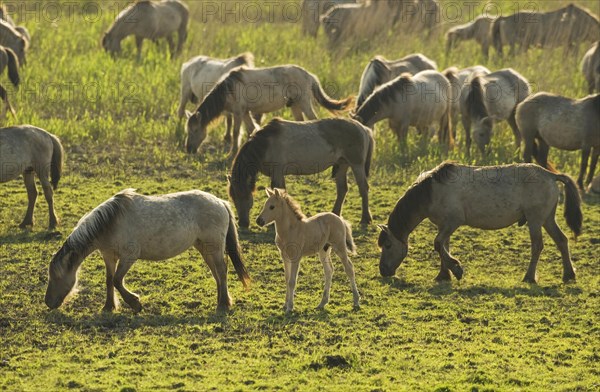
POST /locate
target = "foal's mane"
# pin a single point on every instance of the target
(382, 96)
(214, 102)
(378, 66)
(475, 103)
(248, 160)
(294, 206)
(99, 221)
(417, 198)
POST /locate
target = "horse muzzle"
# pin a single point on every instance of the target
(260, 221)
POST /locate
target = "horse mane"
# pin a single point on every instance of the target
(382, 96)
(417, 197)
(378, 66)
(214, 102)
(294, 206)
(475, 99)
(99, 221)
(249, 158)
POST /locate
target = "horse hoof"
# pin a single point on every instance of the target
(457, 271)
(530, 280)
(443, 277)
(356, 307)
(569, 279)
(108, 309)
(24, 225)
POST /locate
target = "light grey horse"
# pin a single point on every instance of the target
(130, 226)
(477, 30)
(380, 71)
(548, 120)
(13, 39)
(29, 150)
(488, 198)
(149, 20)
(489, 98)
(312, 10)
(590, 66)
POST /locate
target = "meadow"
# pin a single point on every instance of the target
(116, 119)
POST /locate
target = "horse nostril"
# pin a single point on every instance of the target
(260, 221)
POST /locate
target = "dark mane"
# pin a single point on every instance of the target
(294, 206)
(475, 99)
(380, 71)
(214, 102)
(248, 160)
(417, 198)
(382, 96)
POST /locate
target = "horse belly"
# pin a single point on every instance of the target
(561, 134)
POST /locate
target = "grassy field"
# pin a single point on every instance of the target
(117, 121)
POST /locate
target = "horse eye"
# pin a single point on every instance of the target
(271, 207)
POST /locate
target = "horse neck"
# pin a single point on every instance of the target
(286, 223)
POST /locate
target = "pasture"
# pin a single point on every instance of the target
(117, 121)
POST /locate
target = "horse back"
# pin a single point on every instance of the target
(23, 147)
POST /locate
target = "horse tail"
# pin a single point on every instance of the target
(13, 67)
(496, 35)
(185, 16)
(56, 164)
(232, 246)
(4, 97)
(573, 214)
(328, 103)
(350, 245)
(447, 132)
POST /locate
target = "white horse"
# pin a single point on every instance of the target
(297, 236)
(130, 226)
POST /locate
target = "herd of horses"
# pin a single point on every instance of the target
(408, 92)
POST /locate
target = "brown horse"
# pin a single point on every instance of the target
(29, 150)
(284, 147)
(489, 198)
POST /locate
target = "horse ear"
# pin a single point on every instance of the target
(384, 228)
(269, 191)
(229, 179)
(188, 114)
(277, 192)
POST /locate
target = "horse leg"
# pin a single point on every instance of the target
(342, 252)
(537, 244)
(593, 163)
(218, 267)
(237, 125)
(171, 45)
(528, 150)
(363, 189)
(186, 95)
(229, 122)
(249, 123)
(32, 193)
(448, 262)
(308, 110)
(561, 241)
(341, 184)
(112, 302)
(132, 299)
(444, 274)
(325, 257)
(293, 268)
(466, 122)
(297, 113)
(542, 155)
(585, 154)
(49, 195)
(138, 43)
(515, 129)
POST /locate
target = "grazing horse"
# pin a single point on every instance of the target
(488, 198)
(29, 150)
(297, 236)
(312, 11)
(149, 20)
(284, 147)
(477, 30)
(11, 38)
(548, 120)
(590, 66)
(8, 60)
(380, 71)
(488, 98)
(130, 226)
(418, 101)
(201, 74)
(261, 90)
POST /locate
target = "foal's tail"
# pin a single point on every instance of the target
(232, 246)
(573, 214)
(13, 67)
(350, 245)
(56, 164)
(324, 100)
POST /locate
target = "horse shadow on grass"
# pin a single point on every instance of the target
(27, 236)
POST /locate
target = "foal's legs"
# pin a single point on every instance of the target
(29, 179)
(447, 261)
(561, 241)
(363, 188)
(49, 195)
(293, 266)
(325, 257)
(132, 299)
(112, 303)
(218, 267)
(585, 154)
(593, 163)
(342, 252)
(341, 184)
(537, 245)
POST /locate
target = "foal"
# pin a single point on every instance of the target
(297, 236)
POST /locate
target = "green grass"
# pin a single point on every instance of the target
(117, 121)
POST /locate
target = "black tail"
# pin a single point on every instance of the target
(573, 214)
(13, 67)
(57, 161)
(496, 36)
(232, 246)
(330, 104)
